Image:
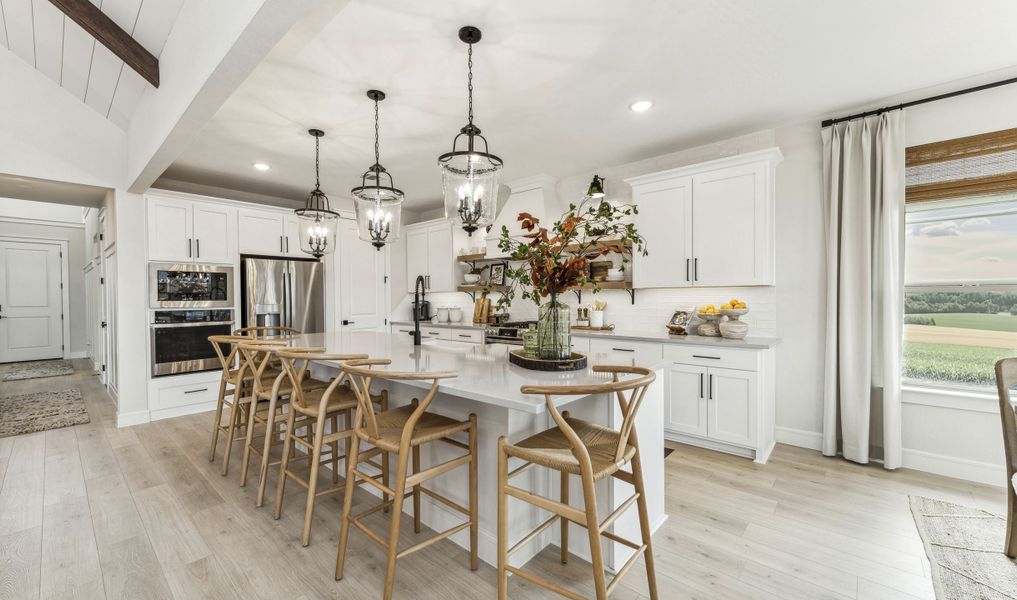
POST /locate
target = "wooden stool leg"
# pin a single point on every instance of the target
(312, 481)
(335, 450)
(644, 524)
(248, 440)
(502, 520)
(216, 424)
(230, 432)
(352, 456)
(1010, 546)
(592, 528)
(562, 521)
(474, 514)
(280, 487)
(266, 451)
(385, 468)
(397, 513)
(416, 491)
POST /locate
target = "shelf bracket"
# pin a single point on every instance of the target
(630, 291)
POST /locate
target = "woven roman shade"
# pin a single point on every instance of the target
(976, 165)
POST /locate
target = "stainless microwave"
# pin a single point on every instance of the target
(187, 285)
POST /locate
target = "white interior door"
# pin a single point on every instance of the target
(361, 280)
(31, 306)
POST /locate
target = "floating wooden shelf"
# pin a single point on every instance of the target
(474, 289)
(605, 285)
(468, 258)
(601, 244)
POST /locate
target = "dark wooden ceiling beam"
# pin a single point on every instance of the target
(120, 43)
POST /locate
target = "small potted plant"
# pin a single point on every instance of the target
(547, 262)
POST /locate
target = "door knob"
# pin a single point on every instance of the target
(348, 322)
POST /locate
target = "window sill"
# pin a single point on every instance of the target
(944, 397)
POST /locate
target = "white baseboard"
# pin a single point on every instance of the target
(79, 354)
(133, 418)
(959, 468)
(179, 411)
(800, 438)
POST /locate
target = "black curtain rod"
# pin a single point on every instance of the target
(869, 113)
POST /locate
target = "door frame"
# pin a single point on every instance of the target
(65, 304)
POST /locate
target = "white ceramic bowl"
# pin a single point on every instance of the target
(471, 278)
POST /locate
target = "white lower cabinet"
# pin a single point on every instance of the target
(686, 394)
(731, 406)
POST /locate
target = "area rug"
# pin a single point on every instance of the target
(28, 413)
(37, 369)
(965, 549)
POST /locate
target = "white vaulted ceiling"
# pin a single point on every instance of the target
(554, 80)
(56, 46)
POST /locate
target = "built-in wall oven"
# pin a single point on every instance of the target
(186, 285)
(180, 340)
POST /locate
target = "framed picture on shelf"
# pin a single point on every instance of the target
(498, 273)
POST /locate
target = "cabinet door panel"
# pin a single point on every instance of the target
(169, 231)
(416, 255)
(291, 237)
(261, 233)
(730, 219)
(215, 233)
(686, 400)
(665, 219)
(732, 406)
(439, 258)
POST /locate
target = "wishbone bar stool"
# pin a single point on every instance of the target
(316, 405)
(402, 431)
(593, 452)
(264, 331)
(232, 386)
(271, 386)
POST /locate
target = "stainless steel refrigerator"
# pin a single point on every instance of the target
(283, 292)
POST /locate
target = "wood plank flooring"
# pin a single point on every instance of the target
(91, 511)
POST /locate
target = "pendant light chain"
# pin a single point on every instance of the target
(469, 80)
(317, 169)
(377, 135)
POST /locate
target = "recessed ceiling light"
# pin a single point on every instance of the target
(260, 166)
(640, 106)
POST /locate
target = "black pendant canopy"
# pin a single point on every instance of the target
(470, 175)
(596, 187)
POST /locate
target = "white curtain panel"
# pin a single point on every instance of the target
(863, 177)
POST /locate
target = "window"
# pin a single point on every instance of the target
(960, 276)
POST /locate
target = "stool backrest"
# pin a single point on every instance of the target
(255, 356)
(363, 372)
(1006, 379)
(629, 392)
(295, 363)
(226, 359)
(267, 331)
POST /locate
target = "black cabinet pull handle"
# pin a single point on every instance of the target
(701, 377)
(702, 356)
(465, 335)
(711, 386)
(188, 247)
(197, 248)
(695, 270)
(688, 262)
(196, 391)
(623, 349)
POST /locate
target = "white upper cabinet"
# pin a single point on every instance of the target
(215, 233)
(262, 232)
(429, 253)
(665, 220)
(732, 243)
(190, 231)
(710, 224)
(291, 237)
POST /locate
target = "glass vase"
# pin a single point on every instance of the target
(554, 333)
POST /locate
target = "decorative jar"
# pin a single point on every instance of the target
(554, 333)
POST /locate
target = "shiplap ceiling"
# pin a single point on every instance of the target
(41, 35)
(554, 80)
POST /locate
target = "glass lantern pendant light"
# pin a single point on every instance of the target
(317, 219)
(378, 206)
(470, 176)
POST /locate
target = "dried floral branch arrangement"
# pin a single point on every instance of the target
(555, 260)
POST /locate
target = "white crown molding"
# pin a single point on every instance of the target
(771, 155)
(21, 221)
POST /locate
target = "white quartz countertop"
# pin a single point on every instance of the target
(430, 323)
(485, 374)
(749, 343)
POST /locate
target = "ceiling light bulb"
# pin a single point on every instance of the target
(260, 166)
(640, 106)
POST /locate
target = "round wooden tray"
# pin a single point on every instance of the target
(575, 363)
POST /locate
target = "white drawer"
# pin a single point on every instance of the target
(184, 395)
(728, 358)
(643, 353)
(581, 344)
(474, 336)
(436, 333)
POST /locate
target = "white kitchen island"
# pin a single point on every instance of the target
(488, 385)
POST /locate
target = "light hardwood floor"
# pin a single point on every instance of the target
(93, 511)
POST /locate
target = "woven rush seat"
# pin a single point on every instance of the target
(551, 449)
(342, 398)
(429, 428)
(264, 392)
